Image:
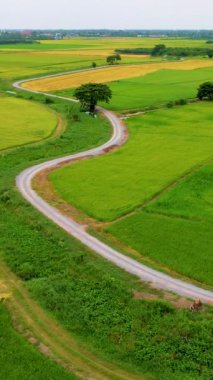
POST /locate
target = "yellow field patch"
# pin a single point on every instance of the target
(110, 74)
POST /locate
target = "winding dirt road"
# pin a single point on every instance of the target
(24, 184)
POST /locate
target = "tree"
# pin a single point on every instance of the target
(205, 91)
(158, 50)
(94, 65)
(210, 53)
(89, 94)
(112, 59)
(118, 57)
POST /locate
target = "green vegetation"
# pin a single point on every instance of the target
(20, 360)
(162, 146)
(157, 88)
(113, 43)
(90, 94)
(162, 50)
(113, 59)
(90, 297)
(182, 245)
(187, 211)
(23, 60)
(189, 199)
(23, 64)
(154, 89)
(24, 122)
(205, 91)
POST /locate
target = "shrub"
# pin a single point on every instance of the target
(48, 100)
(170, 104)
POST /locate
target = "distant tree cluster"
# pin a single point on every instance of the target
(163, 34)
(161, 50)
(14, 38)
(205, 91)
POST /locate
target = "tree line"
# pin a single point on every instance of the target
(162, 50)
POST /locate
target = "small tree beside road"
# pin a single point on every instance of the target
(89, 94)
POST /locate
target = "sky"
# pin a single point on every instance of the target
(109, 14)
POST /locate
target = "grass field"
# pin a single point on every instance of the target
(24, 122)
(20, 360)
(111, 74)
(162, 146)
(82, 43)
(181, 245)
(90, 297)
(23, 64)
(25, 60)
(153, 89)
(186, 211)
(191, 198)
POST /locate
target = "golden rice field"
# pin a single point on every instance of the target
(110, 74)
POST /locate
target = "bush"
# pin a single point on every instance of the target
(170, 104)
(181, 102)
(26, 271)
(48, 100)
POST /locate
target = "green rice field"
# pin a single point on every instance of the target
(176, 230)
(162, 146)
(153, 89)
(24, 122)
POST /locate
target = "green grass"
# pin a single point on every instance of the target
(25, 64)
(182, 245)
(24, 122)
(157, 88)
(25, 60)
(20, 360)
(154, 89)
(162, 146)
(185, 211)
(191, 198)
(89, 296)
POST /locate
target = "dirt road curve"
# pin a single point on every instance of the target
(158, 279)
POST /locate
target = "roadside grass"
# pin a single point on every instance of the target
(24, 122)
(90, 297)
(20, 360)
(162, 146)
(112, 73)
